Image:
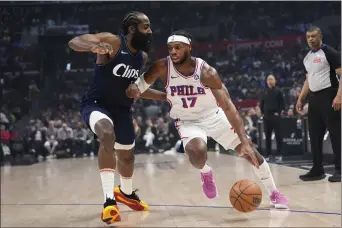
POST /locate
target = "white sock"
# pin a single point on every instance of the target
(206, 169)
(107, 178)
(265, 175)
(126, 185)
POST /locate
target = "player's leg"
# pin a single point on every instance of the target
(195, 146)
(101, 124)
(317, 130)
(264, 173)
(332, 120)
(223, 133)
(124, 192)
(124, 147)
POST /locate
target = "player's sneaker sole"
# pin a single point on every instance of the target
(110, 214)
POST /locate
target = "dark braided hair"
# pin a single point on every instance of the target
(130, 19)
(183, 33)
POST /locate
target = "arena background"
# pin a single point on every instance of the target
(41, 79)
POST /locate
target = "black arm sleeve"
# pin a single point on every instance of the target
(333, 57)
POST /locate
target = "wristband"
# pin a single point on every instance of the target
(141, 83)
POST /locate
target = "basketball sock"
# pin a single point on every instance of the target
(107, 178)
(266, 177)
(206, 169)
(126, 185)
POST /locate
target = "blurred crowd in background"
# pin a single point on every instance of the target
(244, 41)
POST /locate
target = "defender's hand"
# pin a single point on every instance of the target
(133, 91)
(102, 49)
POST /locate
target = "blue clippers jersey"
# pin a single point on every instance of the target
(110, 80)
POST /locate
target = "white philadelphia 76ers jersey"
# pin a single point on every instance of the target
(188, 98)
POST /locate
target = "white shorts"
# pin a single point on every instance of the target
(216, 126)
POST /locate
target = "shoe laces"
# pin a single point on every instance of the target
(208, 180)
(134, 195)
(275, 195)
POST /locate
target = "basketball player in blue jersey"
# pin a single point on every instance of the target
(107, 110)
(201, 106)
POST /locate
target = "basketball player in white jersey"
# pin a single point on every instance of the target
(201, 107)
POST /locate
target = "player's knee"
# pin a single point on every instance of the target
(105, 132)
(107, 137)
(197, 152)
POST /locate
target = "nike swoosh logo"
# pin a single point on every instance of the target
(122, 52)
(265, 178)
(174, 77)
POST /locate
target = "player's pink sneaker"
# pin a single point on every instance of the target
(208, 185)
(278, 200)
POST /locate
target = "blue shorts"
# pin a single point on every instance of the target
(121, 118)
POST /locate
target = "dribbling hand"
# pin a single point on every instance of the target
(247, 151)
(102, 49)
(133, 91)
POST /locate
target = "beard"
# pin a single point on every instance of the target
(182, 60)
(141, 41)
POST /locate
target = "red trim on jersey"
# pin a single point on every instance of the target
(168, 73)
(186, 77)
(205, 87)
(177, 127)
(202, 65)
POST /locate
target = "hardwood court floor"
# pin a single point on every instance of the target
(60, 193)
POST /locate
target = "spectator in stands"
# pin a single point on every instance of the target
(3, 118)
(38, 136)
(251, 124)
(80, 137)
(51, 135)
(161, 133)
(65, 138)
(149, 137)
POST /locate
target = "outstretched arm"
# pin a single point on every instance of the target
(211, 79)
(101, 43)
(153, 95)
(141, 86)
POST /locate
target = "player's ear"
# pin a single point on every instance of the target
(190, 48)
(132, 29)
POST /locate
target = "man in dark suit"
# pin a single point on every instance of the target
(271, 105)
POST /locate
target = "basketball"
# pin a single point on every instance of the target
(245, 196)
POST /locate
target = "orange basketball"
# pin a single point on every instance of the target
(245, 196)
